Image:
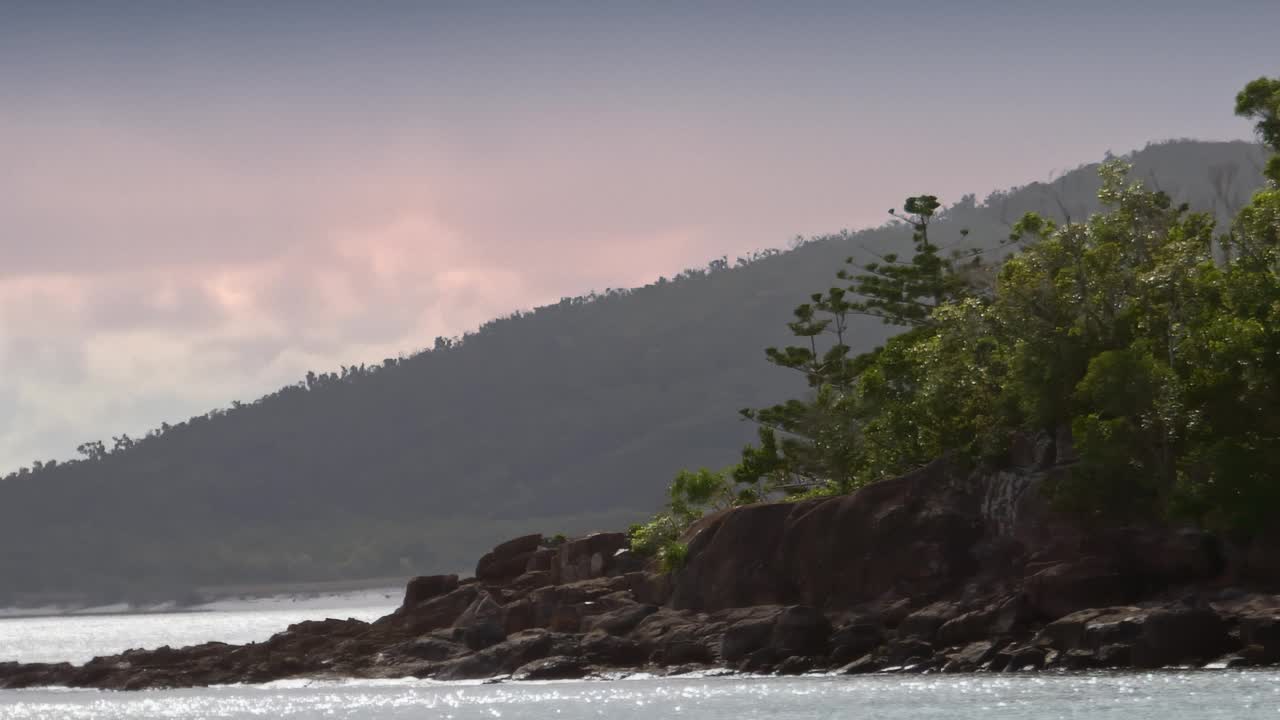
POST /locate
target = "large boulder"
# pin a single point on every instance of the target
(1180, 634)
(783, 631)
(507, 561)
(1148, 637)
(911, 536)
(589, 557)
(482, 624)
(438, 612)
(557, 667)
(1261, 630)
(925, 622)
(427, 587)
(856, 638)
(1063, 588)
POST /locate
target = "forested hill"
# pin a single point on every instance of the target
(570, 417)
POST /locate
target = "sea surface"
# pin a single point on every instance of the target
(1166, 695)
(1233, 695)
(80, 637)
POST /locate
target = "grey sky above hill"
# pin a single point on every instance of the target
(201, 202)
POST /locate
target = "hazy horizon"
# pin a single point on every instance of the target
(211, 200)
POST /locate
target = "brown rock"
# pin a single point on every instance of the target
(541, 560)
(924, 623)
(1178, 635)
(619, 621)
(971, 657)
(1262, 631)
(910, 535)
(608, 650)
(1066, 587)
(559, 667)
(587, 557)
(856, 639)
(482, 624)
(532, 580)
(433, 614)
(427, 587)
(650, 588)
(508, 560)
(798, 665)
(866, 664)
(908, 651)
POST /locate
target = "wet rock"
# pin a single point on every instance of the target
(856, 639)
(1019, 658)
(607, 650)
(908, 651)
(866, 664)
(1078, 659)
(787, 631)
(683, 646)
(1179, 635)
(430, 647)
(800, 630)
(997, 619)
(971, 657)
(506, 656)
(1262, 630)
(762, 661)
(1115, 655)
(745, 637)
(559, 667)
(798, 665)
(1143, 637)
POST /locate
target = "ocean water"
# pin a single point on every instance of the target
(79, 638)
(1202, 695)
(1168, 695)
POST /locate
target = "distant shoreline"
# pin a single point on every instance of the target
(207, 595)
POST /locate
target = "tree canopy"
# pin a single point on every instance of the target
(1146, 330)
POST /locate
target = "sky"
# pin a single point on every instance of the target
(201, 201)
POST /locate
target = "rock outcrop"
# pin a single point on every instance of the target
(940, 570)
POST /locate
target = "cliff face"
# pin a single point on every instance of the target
(942, 569)
(940, 532)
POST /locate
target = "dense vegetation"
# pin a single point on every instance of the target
(556, 420)
(1149, 334)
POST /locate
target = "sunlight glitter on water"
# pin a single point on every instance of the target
(77, 639)
(1150, 696)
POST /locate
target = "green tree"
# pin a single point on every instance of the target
(1260, 101)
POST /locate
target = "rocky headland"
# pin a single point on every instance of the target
(941, 570)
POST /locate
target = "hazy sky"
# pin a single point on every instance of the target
(200, 201)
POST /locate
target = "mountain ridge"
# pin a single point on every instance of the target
(568, 417)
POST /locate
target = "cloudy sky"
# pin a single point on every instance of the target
(200, 201)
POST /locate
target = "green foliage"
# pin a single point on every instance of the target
(690, 496)
(832, 441)
(672, 556)
(1260, 101)
(1156, 344)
